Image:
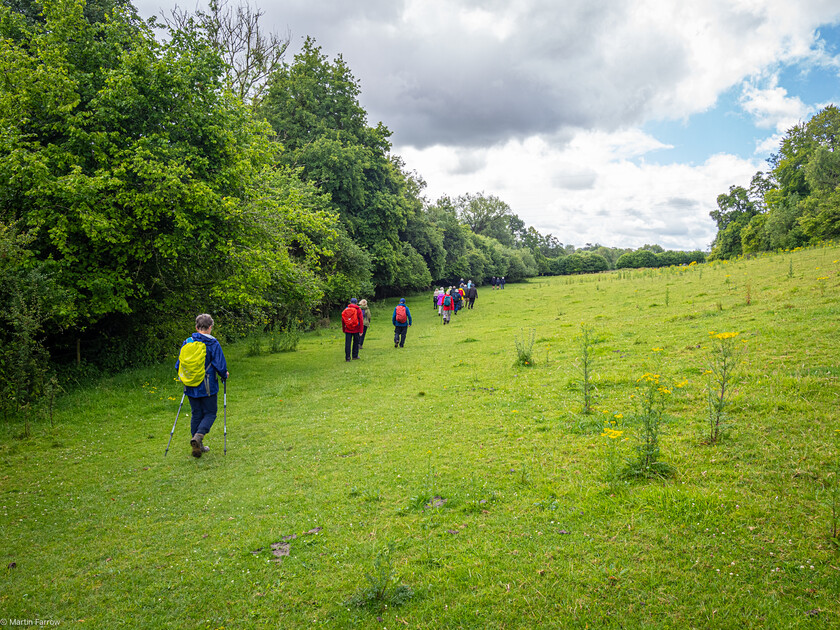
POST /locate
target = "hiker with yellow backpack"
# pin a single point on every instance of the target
(199, 362)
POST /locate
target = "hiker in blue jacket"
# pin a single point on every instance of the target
(203, 397)
(401, 320)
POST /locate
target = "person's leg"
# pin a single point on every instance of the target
(205, 410)
(396, 336)
(348, 341)
(195, 417)
(209, 408)
(403, 332)
(356, 345)
(362, 338)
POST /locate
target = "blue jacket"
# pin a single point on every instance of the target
(407, 313)
(214, 364)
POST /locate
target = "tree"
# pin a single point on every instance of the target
(427, 239)
(31, 303)
(312, 105)
(733, 214)
(490, 216)
(250, 55)
(821, 210)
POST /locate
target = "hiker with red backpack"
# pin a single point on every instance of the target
(353, 325)
(401, 321)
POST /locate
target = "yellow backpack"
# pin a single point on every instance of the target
(191, 363)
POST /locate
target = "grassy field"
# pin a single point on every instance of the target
(441, 486)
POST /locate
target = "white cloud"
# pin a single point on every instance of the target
(591, 190)
(773, 108)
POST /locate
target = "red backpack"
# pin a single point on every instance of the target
(350, 318)
(402, 318)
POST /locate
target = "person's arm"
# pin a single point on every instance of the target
(218, 361)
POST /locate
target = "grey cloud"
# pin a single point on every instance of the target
(469, 162)
(575, 179)
(680, 202)
(563, 65)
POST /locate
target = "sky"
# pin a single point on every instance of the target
(615, 122)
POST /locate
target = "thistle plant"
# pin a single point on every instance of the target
(383, 585)
(585, 364)
(721, 377)
(525, 348)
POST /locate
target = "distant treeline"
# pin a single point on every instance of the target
(145, 179)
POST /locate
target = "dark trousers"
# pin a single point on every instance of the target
(204, 412)
(471, 302)
(399, 335)
(362, 337)
(351, 341)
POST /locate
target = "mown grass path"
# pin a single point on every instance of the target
(101, 531)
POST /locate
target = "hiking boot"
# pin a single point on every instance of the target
(197, 445)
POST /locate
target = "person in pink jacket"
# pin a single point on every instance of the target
(448, 305)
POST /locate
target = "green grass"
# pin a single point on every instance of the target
(482, 484)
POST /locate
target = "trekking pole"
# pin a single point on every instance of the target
(176, 422)
(224, 382)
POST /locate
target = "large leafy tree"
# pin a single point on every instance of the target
(490, 216)
(312, 105)
(137, 175)
(733, 213)
(821, 209)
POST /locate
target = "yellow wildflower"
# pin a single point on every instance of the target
(612, 433)
(726, 335)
